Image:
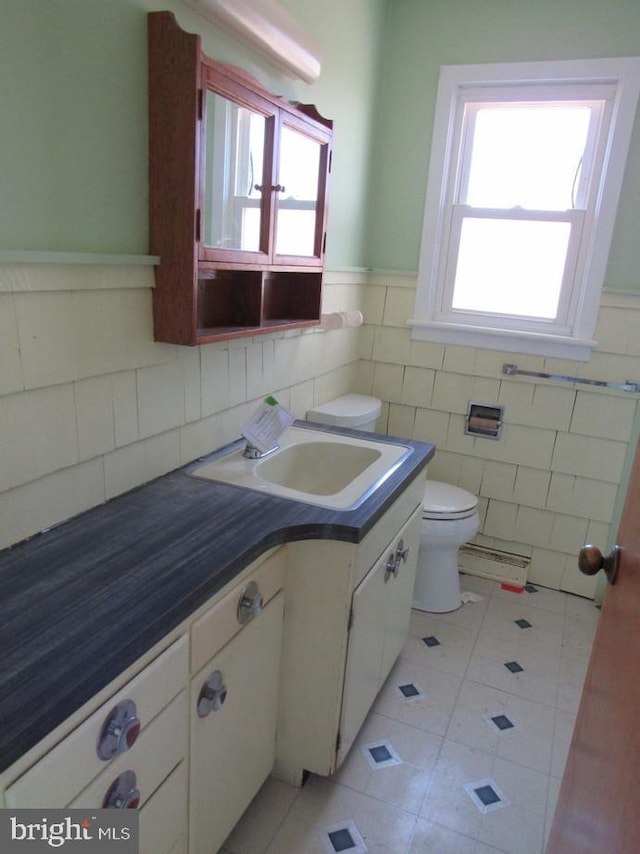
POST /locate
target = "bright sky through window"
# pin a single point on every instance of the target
(527, 156)
(520, 156)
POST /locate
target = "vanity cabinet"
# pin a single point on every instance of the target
(238, 197)
(190, 737)
(347, 618)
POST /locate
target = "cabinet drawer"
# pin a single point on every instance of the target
(70, 766)
(160, 747)
(216, 628)
(163, 819)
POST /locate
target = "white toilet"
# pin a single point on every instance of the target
(449, 519)
(449, 514)
(349, 410)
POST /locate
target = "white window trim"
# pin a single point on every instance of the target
(577, 340)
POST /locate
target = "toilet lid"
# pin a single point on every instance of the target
(445, 499)
(350, 410)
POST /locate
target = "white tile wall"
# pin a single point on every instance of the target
(95, 416)
(551, 482)
(11, 374)
(91, 406)
(85, 389)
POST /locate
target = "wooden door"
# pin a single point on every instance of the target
(599, 803)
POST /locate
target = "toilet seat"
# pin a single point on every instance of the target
(447, 502)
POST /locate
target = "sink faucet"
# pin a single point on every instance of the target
(264, 428)
(251, 452)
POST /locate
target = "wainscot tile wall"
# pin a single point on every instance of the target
(550, 483)
(91, 406)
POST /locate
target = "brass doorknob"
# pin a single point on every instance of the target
(591, 561)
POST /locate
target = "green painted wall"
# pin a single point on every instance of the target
(73, 147)
(422, 35)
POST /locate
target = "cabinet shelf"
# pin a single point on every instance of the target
(238, 190)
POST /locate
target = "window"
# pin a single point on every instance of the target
(526, 169)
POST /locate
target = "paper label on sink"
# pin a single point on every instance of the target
(267, 424)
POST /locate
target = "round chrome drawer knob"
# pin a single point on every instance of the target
(123, 794)
(250, 603)
(120, 730)
(212, 694)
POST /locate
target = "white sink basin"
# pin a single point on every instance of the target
(313, 466)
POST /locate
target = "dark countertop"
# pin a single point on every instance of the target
(83, 601)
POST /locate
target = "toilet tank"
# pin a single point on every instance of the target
(349, 410)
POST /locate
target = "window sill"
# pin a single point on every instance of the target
(508, 340)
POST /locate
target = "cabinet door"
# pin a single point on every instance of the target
(366, 648)
(233, 747)
(381, 611)
(303, 163)
(237, 166)
(400, 590)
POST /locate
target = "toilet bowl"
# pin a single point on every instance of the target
(449, 519)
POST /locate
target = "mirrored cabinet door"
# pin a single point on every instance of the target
(234, 176)
(297, 195)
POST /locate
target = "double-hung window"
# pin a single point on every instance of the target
(526, 169)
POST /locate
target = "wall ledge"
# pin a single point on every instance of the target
(62, 271)
(28, 256)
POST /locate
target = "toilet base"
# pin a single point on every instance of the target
(437, 586)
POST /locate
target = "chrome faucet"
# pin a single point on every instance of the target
(253, 453)
(265, 427)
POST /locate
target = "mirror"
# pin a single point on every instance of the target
(235, 140)
(297, 200)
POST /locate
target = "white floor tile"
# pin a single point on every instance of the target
(445, 738)
(563, 730)
(447, 802)
(570, 681)
(276, 795)
(544, 599)
(432, 837)
(468, 616)
(537, 681)
(322, 804)
(455, 644)
(254, 831)
(578, 635)
(432, 709)
(484, 587)
(544, 634)
(552, 801)
(403, 785)
(516, 829)
(581, 608)
(528, 743)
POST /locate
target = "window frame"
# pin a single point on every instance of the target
(570, 335)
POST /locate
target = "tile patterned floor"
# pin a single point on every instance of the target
(471, 761)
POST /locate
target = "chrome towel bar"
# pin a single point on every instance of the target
(628, 385)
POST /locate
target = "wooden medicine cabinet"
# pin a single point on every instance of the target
(238, 197)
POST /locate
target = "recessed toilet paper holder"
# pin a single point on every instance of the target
(484, 419)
